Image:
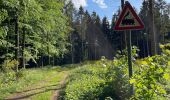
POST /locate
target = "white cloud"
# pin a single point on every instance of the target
(101, 3)
(78, 3)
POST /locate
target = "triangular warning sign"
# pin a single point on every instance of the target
(128, 19)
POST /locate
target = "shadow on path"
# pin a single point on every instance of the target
(37, 88)
(28, 93)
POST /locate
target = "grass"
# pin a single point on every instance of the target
(31, 77)
(45, 80)
(51, 85)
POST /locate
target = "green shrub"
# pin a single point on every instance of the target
(151, 77)
(9, 65)
(116, 78)
(86, 88)
(9, 74)
(8, 77)
(85, 83)
(110, 80)
(100, 80)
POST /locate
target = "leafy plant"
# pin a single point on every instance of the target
(85, 83)
(9, 65)
(151, 77)
(98, 81)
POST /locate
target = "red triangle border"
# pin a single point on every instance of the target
(128, 6)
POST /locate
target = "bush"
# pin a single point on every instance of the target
(117, 80)
(9, 65)
(8, 77)
(85, 83)
(104, 79)
(151, 77)
(87, 88)
(109, 79)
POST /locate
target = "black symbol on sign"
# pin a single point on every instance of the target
(128, 21)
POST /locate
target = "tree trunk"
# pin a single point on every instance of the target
(53, 61)
(7, 49)
(16, 42)
(49, 60)
(152, 31)
(23, 49)
(72, 52)
(82, 37)
(48, 50)
(42, 63)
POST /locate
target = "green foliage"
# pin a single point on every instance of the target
(151, 77)
(90, 87)
(117, 78)
(85, 83)
(42, 27)
(3, 16)
(99, 81)
(109, 79)
(9, 65)
(8, 77)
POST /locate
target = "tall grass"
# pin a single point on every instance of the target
(9, 84)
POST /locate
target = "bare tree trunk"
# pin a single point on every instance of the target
(49, 60)
(23, 49)
(16, 42)
(7, 48)
(82, 37)
(49, 63)
(42, 61)
(144, 49)
(72, 48)
(53, 61)
(152, 30)
(72, 52)
(148, 49)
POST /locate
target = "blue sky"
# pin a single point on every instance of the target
(105, 7)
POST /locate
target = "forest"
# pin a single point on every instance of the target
(50, 50)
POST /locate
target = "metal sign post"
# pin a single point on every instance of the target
(129, 49)
(129, 20)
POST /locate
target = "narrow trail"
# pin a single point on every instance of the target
(41, 87)
(56, 93)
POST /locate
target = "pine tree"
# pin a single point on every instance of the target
(115, 36)
(105, 26)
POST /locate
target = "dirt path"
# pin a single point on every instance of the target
(41, 87)
(56, 93)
